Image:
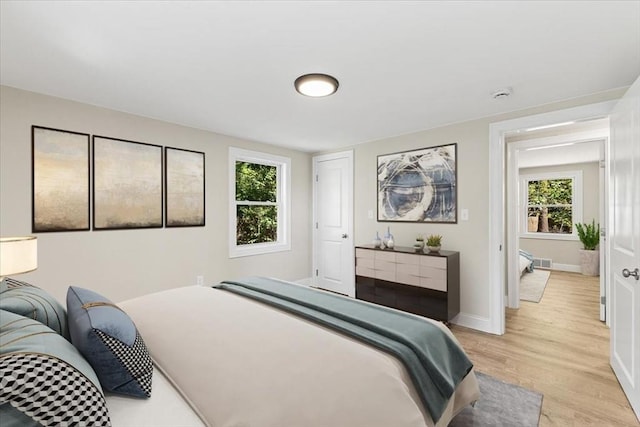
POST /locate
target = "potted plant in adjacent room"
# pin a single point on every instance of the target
(433, 242)
(589, 235)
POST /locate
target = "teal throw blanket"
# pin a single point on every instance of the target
(434, 361)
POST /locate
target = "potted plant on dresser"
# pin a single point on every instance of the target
(434, 242)
(589, 235)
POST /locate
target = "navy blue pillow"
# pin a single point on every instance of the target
(107, 337)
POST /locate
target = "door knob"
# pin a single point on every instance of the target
(635, 273)
(344, 236)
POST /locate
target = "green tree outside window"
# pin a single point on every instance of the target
(256, 203)
(550, 201)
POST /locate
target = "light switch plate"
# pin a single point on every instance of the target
(464, 214)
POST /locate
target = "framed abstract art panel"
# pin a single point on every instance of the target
(184, 188)
(418, 185)
(60, 180)
(127, 184)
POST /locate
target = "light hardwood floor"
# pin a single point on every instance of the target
(559, 348)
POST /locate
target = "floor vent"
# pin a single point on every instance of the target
(542, 262)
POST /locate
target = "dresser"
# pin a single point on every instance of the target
(427, 284)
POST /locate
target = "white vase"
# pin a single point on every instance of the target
(590, 262)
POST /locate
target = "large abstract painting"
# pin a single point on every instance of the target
(60, 180)
(418, 185)
(184, 188)
(127, 184)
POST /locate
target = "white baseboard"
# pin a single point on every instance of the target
(474, 322)
(566, 267)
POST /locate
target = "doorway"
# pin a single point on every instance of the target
(573, 155)
(498, 249)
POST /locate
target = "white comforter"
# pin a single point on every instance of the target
(241, 363)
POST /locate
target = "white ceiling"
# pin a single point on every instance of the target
(404, 66)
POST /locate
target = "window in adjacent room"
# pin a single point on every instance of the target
(259, 203)
(552, 205)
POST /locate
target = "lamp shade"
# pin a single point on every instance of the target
(18, 255)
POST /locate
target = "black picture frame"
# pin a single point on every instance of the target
(60, 192)
(184, 188)
(418, 185)
(127, 184)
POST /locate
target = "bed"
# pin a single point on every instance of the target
(221, 359)
(525, 261)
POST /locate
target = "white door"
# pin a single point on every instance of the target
(625, 244)
(333, 255)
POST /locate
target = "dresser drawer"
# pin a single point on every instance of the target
(385, 256)
(412, 269)
(433, 261)
(389, 276)
(407, 278)
(385, 266)
(365, 262)
(364, 253)
(433, 273)
(435, 284)
(408, 259)
(364, 271)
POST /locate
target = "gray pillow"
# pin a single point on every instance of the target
(109, 340)
(35, 303)
(44, 380)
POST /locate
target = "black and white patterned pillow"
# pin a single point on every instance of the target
(44, 380)
(109, 340)
(51, 391)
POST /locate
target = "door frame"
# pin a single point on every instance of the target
(350, 228)
(497, 194)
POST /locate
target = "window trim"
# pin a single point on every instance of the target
(283, 202)
(576, 205)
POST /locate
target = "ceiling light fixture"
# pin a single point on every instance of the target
(502, 93)
(316, 85)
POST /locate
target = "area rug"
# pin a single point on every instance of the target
(501, 404)
(532, 285)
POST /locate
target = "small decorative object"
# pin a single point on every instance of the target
(419, 244)
(390, 242)
(433, 242)
(377, 242)
(589, 235)
(386, 236)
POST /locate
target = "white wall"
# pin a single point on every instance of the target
(566, 251)
(470, 238)
(123, 264)
(126, 263)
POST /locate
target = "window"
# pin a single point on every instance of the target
(552, 205)
(259, 203)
